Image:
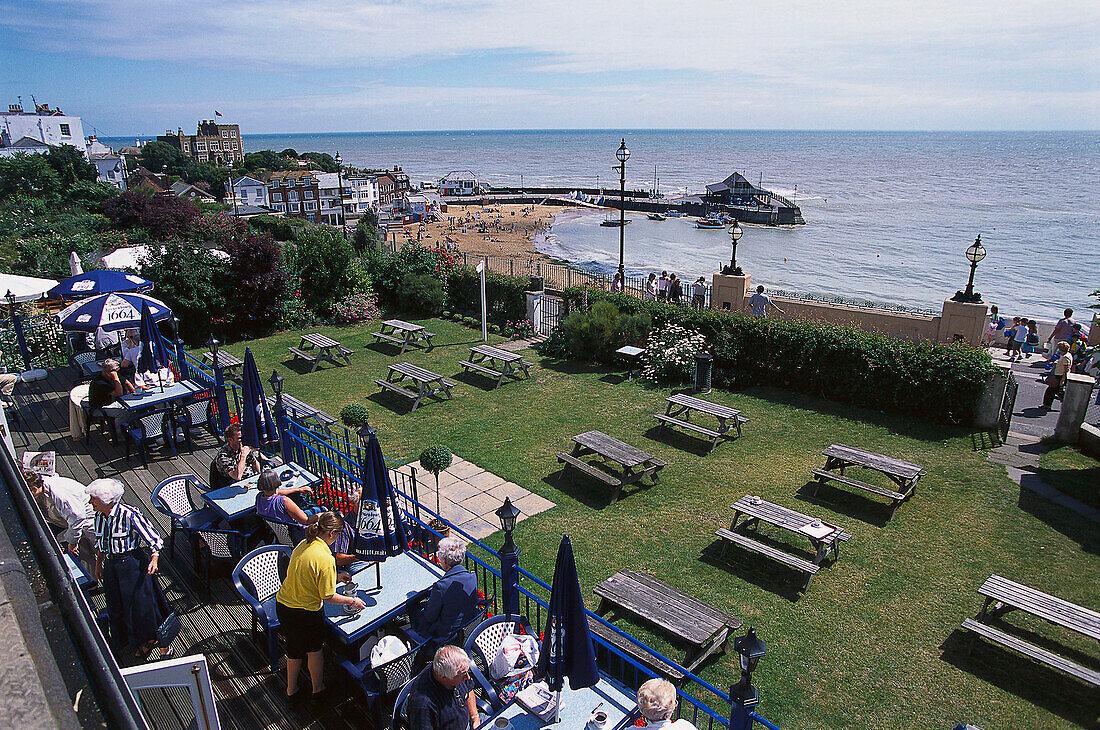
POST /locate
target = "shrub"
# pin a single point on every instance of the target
(255, 282)
(554, 345)
(471, 321)
(596, 334)
(495, 329)
(421, 294)
(519, 329)
(354, 415)
(324, 265)
(504, 295)
(356, 308)
(670, 353)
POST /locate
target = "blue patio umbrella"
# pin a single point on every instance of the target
(154, 355)
(112, 312)
(379, 525)
(567, 649)
(100, 281)
(257, 425)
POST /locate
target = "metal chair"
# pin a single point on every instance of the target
(482, 644)
(380, 683)
(400, 720)
(148, 428)
(195, 414)
(81, 359)
(221, 545)
(258, 577)
(173, 497)
(283, 531)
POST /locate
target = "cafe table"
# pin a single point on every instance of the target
(577, 706)
(239, 498)
(141, 400)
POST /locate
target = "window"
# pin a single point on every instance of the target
(312, 218)
(225, 132)
(292, 195)
(276, 197)
(308, 194)
(293, 207)
(280, 207)
(65, 130)
(215, 146)
(311, 205)
(202, 146)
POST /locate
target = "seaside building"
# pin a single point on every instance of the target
(421, 204)
(360, 195)
(213, 143)
(185, 190)
(386, 186)
(462, 182)
(110, 167)
(44, 125)
(330, 209)
(295, 193)
(248, 191)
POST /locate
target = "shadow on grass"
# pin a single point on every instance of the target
(614, 379)
(773, 577)
(1070, 523)
(477, 380)
(1023, 677)
(698, 445)
(847, 503)
(589, 491)
(397, 404)
(571, 367)
(1083, 484)
(302, 367)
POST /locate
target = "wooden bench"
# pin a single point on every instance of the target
(564, 458)
(704, 627)
(636, 464)
(642, 656)
(823, 476)
(379, 336)
(402, 333)
(317, 348)
(428, 384)
(684, 405)
(496, 363)
(729, 536)
(839, 457)
(1019, 645)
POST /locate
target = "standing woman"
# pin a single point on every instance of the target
(310, 582)
(136, 606)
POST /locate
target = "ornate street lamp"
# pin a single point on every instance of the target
(340, 181)
(975, 253)
(743, 696)
(622, 155)
(276, 381)
(229, 166)
(735, 235)
(509, 557)
(213, 344)
(11, 303)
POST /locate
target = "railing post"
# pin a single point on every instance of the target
(20, 337)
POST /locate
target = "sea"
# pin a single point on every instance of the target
(889, 215)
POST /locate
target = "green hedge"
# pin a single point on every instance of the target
(504, 295)
(933, 381)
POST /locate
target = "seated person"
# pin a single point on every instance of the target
(272, 502)
(105, 343)
(450, 602)
(131, 353)
(344, 547)
(106, 387)
(657, 703)
(442, 697)
(235, 461)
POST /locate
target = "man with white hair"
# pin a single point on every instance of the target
(442, 696)
(452, 600)
(657, 703)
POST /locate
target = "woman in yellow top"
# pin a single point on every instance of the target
(310, 582)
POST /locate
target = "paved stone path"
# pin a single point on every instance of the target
(469, 496)
(1020, 456)
(1027, 415)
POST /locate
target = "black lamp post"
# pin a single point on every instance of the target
(509, 557)
(622, 155)
(11, 303)
(743, 696)
(975, 253)
(735, 235)
(340, 181)
(213, 344)
(276, 381)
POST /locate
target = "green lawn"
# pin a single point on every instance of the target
(1074, 473)
(874, 642)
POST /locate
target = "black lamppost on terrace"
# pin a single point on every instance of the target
(735, 235)
(743, 696)
(509, 557)
(340, 181)
(622, 155)
(229, 166)
(975, 253)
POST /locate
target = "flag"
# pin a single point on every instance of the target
(217, 113)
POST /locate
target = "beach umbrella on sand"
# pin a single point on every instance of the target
(379, 524)
(567, 649)
(112, 312)
(257, 425)
(75, 267)
(154, 355)
(101, 281)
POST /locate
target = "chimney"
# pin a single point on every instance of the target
(179, 131)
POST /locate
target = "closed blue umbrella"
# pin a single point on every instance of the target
(567, 649)
(100, 281)
(257, 425)
(154, 355)
(112, 312)
(379, 524)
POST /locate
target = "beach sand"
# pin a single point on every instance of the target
(494, 230)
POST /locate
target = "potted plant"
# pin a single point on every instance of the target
(435, 459)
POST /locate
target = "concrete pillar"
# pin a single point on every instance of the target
(1074, 404)
(988, 411)
(729, 292)
(963, 322)
(534, 309)
(1094, 331)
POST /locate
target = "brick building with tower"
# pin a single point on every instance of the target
(213, 143)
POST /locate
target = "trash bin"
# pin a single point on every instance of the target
(704, 365)
(536, 283)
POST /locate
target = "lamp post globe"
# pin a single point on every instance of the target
(622, 155)
(276, 381)
(735, 236)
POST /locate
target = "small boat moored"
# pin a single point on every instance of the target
(710, 222)
(657, 216)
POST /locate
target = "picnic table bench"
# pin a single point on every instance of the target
(706, 628)
(403, 333)
(838, 457)
(636, 464)
(1005, 595)
(317, 348)
(300, 410)
(229, 363)
(426, 383)
(496, 363)
(728, 418)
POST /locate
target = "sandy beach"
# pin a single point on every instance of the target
(494, 230)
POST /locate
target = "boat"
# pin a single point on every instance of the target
(657, 216)
(613, 222)
(710, 222)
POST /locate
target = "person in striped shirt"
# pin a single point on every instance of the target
(136, 604)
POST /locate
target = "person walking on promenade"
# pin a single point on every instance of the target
(1032, 338)
(699, 293)
(1019, 337)
(1063, 331)
(1056, 380)
(662, 287)
(759, 303)
(1010, 337)
(651, 287)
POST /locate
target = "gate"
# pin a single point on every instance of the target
(551, 314)
(1007, 405)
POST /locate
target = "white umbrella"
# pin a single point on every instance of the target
(75, 267)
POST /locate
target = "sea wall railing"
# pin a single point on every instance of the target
(31, 342)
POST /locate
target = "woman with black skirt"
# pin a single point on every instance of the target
(136, 605)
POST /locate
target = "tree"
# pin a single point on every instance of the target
(435, 459)
(164, 216)
(323, 160)
(189, 279)
(71, 166)
(365, 236)
(324, 259)
(255, 283)
(160, 156)
(29, 175)
(266, 161)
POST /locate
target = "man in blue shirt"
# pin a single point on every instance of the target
(452, 601)
(442, 696)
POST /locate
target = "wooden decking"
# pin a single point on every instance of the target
(218, 625)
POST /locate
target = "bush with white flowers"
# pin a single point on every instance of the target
(670, 353)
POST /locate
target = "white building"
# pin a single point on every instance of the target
(328, 198)
(248, 191)
(360, 195)
(462, 182)
(422, 203)
(46, 125)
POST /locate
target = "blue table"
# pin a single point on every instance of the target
(576, 708)
(144, 399)
(403, 576)
(239, 498)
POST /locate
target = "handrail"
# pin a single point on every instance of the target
(764, 721)
(330, 461)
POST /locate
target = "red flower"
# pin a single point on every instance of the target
(481, 594)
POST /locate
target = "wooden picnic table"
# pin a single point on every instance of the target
(706, 628)
(1003, 595)
(496, 363)
(402, 375)
(758, 510)
(317, 348)
(728, 418)
(301, 410)
(228, 362)
(839, 457)
(636, 464)
(403, 333)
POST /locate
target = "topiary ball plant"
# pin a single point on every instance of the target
(435, 459)
(354, 415)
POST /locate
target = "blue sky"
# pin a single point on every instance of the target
(141, 66)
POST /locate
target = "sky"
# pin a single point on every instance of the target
(132, 67)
